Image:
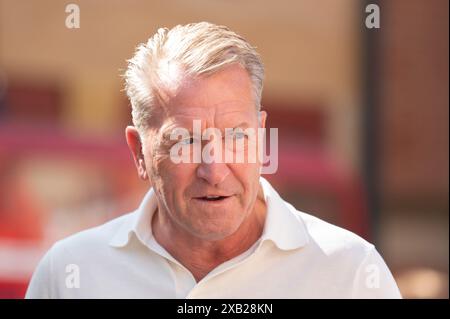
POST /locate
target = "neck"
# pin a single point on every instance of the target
(200, 256)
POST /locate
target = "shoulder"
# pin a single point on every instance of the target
(360, 267)
(87, 249)
(93, 240)
(330, 239)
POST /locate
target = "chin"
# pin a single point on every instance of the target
(217, 234)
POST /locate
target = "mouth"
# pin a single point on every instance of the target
(212, 198)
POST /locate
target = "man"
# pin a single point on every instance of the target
(207, 228)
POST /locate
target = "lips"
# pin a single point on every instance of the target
(212, 198)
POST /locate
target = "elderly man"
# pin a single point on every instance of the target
(208, 227)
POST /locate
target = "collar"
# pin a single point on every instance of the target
(283, 225)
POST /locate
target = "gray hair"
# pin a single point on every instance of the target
(186, 50)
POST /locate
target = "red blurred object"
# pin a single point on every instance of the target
(308, 176)
(12, 289)
(312, 170)
(22, 219)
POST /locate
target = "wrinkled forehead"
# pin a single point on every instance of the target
(223, 98)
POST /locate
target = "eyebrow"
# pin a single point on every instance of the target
(166, 135)
(241, 125)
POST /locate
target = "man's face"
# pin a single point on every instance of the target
(222, 100)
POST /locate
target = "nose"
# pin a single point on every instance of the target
(214, 173)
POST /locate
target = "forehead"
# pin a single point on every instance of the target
(225, 96)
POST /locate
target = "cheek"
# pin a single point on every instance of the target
(173, 178)
(246, 172)
(177, 173)
(248, 176)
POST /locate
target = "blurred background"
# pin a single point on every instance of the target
(362, 116)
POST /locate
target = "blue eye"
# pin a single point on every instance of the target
(187, 141)
(236, 134)
(240, 135)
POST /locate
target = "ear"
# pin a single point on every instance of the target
(135, 146)
(262, 116)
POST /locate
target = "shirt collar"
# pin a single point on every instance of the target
(283, 226)
(137, 223)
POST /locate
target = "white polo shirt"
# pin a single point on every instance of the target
(297, 256)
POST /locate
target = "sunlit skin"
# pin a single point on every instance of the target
(202, 234)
